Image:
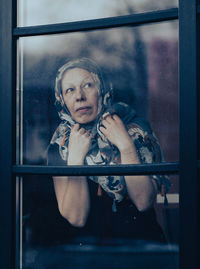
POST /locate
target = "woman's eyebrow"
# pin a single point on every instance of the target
(71, 85)
(65, 87)
(88, 77)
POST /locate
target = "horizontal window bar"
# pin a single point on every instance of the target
(112, 22)
(93, 170)
(140, 249)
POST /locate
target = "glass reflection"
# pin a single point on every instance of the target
(48, 11)
(142, 70)
(142, 64)
(49, 240)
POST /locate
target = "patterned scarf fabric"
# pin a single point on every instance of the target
(101, 151)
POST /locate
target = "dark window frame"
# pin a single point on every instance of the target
(188, 166)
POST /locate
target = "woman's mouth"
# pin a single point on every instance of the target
(83, 109)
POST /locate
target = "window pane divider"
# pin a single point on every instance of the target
(8, 255)
(189, 68)
(97, 24)
(92, 170)
(198, 9)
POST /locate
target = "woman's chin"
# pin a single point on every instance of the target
(85, 120)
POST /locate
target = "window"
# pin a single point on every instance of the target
(12, 170)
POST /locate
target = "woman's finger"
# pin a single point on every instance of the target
(102, 129)
(109, 119)
(87, 133)
(82, 131)
(115, 117)
(105, 123)
(76, 127)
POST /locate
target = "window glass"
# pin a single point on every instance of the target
(141, 64)
(48, 11)
(49, 240)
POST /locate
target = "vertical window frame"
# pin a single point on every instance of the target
(7, 135)
(188, 126)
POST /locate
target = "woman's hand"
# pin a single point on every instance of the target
(141, 189)
(79, 144)
(114, 130)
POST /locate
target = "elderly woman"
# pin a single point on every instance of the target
(94, 131)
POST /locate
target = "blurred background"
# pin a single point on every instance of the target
(141, 63)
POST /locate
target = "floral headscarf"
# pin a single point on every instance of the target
(101, 151)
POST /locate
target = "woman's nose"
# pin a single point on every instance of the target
(80, 95)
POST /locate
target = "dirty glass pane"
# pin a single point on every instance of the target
(141, 64)
(49, 241)
(48, 11)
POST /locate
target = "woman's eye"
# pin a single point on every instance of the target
(88, 85)
(69, 90)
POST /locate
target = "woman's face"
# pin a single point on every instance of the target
(80, 94)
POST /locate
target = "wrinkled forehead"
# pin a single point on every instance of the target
(79, 73)
(64, 71)
(84, 63)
